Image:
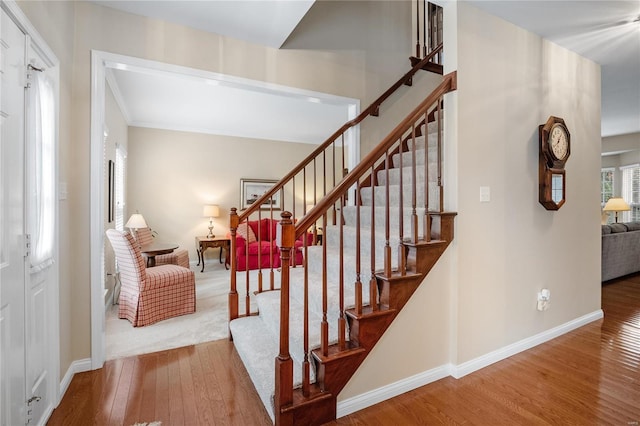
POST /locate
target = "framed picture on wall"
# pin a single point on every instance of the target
(252, 189)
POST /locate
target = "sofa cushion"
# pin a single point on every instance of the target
(263, 247)
(606, 229)
(268, 229)
(618, 227)
(633, 226)
(246, 232)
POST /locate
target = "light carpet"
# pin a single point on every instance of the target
(209, 322)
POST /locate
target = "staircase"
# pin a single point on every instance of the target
(303, 330)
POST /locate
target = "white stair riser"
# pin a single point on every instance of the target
(407, 158)
(407, 175)
(394, 196)
(350, 214)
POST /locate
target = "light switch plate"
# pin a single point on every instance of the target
(485, 194)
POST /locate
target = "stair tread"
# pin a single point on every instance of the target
(257, 337)
(258, 349)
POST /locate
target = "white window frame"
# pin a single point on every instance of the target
(631, 191)
(120, 186)
(605, 197)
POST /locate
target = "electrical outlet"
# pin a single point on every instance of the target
(544, 299)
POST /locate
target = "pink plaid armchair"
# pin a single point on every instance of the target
(177, 257)
(149, 295)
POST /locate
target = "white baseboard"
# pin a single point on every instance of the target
(375, 396)
(78, 366)
(470, 366)
(383, 393)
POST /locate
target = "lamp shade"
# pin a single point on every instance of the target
(136, 221)
(211, 211)
(616, 204)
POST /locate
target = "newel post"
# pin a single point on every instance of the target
(233, 292)
(284, 364)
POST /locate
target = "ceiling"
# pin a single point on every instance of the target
(603, 31)
(222, 105)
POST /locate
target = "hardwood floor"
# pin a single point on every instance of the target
(204, 384)
(587, 377)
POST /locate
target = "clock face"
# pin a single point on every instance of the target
(559, 141)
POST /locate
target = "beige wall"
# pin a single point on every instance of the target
(481, 296)
(172, 175)
(628, 142)
(509, 82)
(628, 147)
(73, 29)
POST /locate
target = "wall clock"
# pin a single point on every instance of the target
(554, 150)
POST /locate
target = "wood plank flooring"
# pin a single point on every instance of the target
(590, 376)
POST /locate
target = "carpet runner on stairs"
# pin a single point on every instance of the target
(256, 338)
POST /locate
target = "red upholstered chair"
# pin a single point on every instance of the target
(178, 257)
(262, 251)
(149, 295)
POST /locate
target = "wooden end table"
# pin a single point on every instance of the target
(203, 243)
(150, 251)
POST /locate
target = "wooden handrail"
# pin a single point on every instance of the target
(448, 84)
(370, 110)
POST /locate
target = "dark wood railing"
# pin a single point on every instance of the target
(332, 206)
(428, 25)
(304, 185)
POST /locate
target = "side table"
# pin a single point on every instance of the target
(203, 243)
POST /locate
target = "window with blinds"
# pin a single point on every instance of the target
(119, 195)
(606, 184)
(631, 191)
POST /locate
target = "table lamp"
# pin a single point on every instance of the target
(210, 211)
(136, 221)
(616, 204)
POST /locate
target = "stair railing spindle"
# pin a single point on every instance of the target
(417, 28)
(439, 165)
(247, 276)
(358, 283)
(333, 178)
(324, 331)
(414, 177)
(402, 268)
(387, 224)
(426, 221)
(306, 368)
(424, 28)
(343, 169)
(342, 324)
(373, 283)
(233, 291)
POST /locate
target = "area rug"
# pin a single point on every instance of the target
(209, 322)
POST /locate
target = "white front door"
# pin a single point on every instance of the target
(12, 238)
(28, 329)
(41, 231)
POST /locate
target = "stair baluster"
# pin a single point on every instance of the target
(366, 315)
